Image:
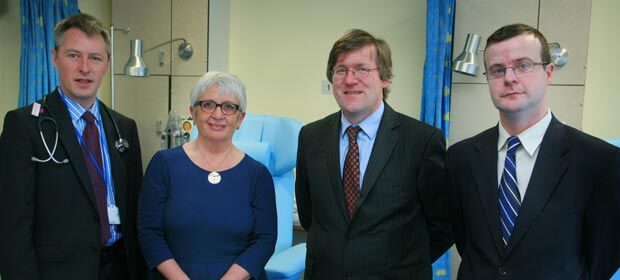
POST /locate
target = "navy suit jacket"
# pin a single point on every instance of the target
(400, 224)
(49, 224)
(569, 222)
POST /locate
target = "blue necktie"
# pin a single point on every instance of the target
(509, 197)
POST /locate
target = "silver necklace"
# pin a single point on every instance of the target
(214, 176)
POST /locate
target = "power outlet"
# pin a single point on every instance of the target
(326, 87)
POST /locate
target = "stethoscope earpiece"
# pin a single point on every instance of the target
(53, 151)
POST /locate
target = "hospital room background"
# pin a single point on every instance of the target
(279, 49)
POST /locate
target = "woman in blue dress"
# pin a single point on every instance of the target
(207, 210)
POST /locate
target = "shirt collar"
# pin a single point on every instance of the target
(76, 110)
(530, 138)
(369, 126)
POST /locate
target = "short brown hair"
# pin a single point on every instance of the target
(513, 30)
(355, 39)
(88, 24)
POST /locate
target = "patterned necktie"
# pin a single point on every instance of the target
(509, 197)
(91, 139)
(351, 178)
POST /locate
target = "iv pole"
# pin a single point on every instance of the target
(112, 74)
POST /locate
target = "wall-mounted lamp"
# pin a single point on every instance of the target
(559, 55)
(136, 66)
(467, 61)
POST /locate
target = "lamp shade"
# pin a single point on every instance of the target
(136, 66)
(467, 61)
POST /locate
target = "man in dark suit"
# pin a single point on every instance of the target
(370, 181)
(68, 186)
(533, 198)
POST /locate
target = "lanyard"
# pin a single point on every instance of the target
(91, 156)
(100, 170)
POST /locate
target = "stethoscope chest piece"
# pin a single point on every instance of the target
(121, 145)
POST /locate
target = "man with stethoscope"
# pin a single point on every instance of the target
(70, 170)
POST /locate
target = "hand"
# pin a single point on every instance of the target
(236, 272)
(171, 270)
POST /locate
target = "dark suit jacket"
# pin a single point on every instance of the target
(49, 226)
(400, 223)
(569, 222)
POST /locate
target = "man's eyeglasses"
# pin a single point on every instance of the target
(521, 67)
(358, 72)
(209, 106)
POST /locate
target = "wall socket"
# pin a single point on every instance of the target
(326, 87)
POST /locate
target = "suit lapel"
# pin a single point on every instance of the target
(549, 167)
(385, 142)
(332, 157)
(68, 138)
(484, 169)
(116, 163)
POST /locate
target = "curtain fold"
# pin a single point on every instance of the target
(37, 75)
(437, 85)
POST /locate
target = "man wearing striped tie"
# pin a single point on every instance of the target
(533, 198)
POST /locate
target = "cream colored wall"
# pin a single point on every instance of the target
(280, 48)
(102, 10)
(10, 42)
(601, 116)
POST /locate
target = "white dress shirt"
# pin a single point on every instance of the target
(526, 154)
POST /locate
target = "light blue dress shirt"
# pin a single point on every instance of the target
(365, 139)
(75, 112)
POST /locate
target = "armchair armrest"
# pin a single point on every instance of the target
(287, 264)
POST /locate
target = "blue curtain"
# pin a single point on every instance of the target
(37, 73)
(437, 84)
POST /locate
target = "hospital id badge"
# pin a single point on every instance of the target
(113, 217)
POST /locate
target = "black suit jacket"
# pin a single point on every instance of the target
(569, 222)
(400, 223)
(49, 226)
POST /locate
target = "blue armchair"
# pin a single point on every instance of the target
(273, 141)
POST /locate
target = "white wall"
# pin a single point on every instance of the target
(601, 111)
(280, 49)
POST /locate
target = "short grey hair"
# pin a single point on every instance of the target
(227, 84)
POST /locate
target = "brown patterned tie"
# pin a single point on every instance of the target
(351, 173)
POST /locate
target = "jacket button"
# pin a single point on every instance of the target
(347, 276)
(502, 271)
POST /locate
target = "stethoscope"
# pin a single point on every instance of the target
(121, 144)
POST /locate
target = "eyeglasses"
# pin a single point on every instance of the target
(209, 106)
(358, 72)
(520, 67)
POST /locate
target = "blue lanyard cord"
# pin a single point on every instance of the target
(106, 176)
(92, 157)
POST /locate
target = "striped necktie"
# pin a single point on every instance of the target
(509, 197)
